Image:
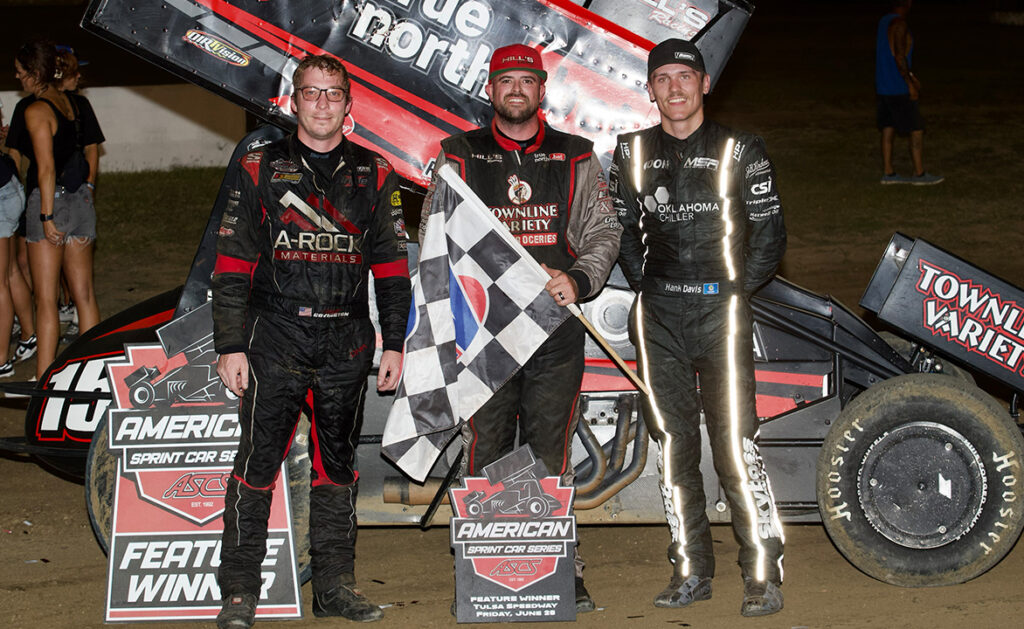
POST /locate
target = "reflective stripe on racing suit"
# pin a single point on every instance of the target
(290, 290)
(702, 229)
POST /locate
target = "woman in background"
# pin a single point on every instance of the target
(60, 217)
(15, 296)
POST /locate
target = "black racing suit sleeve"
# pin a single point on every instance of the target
(237, 255)
(766, 229)
(627, 205)
(389, 262)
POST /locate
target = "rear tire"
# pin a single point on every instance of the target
(920, 482)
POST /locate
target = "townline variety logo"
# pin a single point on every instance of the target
(217, 47)
(973, 316)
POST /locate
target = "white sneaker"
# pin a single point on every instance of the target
(70, 334)
(26, 349)
(67, 313)
(7, 369)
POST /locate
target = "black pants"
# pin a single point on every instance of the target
(540, 399)
(679, 337)
(290, 357)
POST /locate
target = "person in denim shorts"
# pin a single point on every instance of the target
(15, 296)
(60, 219)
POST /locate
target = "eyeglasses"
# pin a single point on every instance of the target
(312, 94)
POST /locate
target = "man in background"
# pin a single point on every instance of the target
(898, 91)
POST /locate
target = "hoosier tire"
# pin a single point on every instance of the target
(101, 478)
(920, 481)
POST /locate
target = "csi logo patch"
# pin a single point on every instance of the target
(216, 47)
(763, 187)
(519, 192)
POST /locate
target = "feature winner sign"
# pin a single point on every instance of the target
(174, 431)
(514, 537)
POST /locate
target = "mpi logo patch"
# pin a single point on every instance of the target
(217, 47)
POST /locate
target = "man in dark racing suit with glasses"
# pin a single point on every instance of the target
(702, 229)
(309, 217)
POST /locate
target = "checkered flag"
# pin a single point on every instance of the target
(479, 311)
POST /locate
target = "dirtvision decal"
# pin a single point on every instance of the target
(174, 429)
(217, 47)
(514, 537)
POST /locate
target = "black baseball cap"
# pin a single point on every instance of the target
(675, 51)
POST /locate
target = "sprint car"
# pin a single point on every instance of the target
(912, 468)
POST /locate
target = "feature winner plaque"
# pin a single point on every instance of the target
(174, 429)
(514, 537)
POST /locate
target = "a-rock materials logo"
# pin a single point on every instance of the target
(320, 239)
(978, 319)
(217, 47)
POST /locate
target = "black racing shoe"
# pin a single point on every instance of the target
(238, 612)
(345, 601)
(584, 603)
(681, 592)
(760, 598)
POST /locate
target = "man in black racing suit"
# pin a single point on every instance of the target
(549, 190)
(702, 229)
(309, 217)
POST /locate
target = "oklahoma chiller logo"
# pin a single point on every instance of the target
(217, 47)
(514, 531)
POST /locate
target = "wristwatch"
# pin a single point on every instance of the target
(45, 217)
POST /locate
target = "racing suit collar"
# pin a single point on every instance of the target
(673, 140)
(511, 145)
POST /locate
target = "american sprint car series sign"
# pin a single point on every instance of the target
(174, 428)
(514, 537)
(418, 67)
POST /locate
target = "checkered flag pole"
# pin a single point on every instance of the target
(479, 311)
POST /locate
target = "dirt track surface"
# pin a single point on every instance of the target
(802, 80)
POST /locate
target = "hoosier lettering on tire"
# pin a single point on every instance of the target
(920, 481)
